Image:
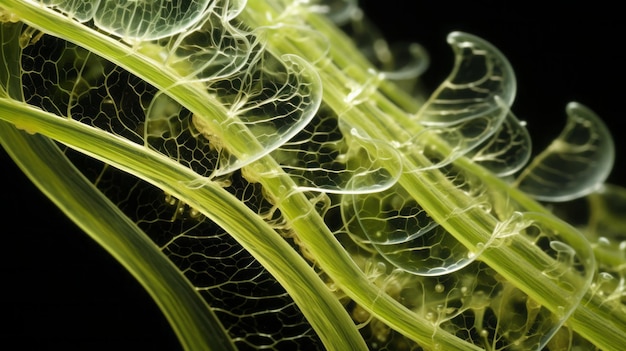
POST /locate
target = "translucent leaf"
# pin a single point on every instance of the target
(339, 11)
(507, 151)
(394, 225)
(136, 20)
(481, 74)
(272, 99)
(333, 158)
(460, 138)
(213, 50)
(80, 10)
(574, 164)
(399, 63)
(469, 106)
(435, 252)
(404, 61)
(387, 217)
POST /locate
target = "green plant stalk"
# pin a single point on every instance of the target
(250, 231)
(336, 262)
(302, 283)
(433, 207)
(473, 227)
(192, 320)
(316, 301)
(192, 95)
(49, 169)
(433, 194)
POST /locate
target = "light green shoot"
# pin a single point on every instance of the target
(271, 188)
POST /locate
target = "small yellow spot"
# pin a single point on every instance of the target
(26, 128)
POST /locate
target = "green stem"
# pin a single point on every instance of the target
(339, 265)
(191, 318)
(317, 303)
(191, 95)
(195, 324)
(382, 118)
(377, 116)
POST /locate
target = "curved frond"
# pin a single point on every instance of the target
(573, 165)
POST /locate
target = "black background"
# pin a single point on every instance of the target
(59, 289)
